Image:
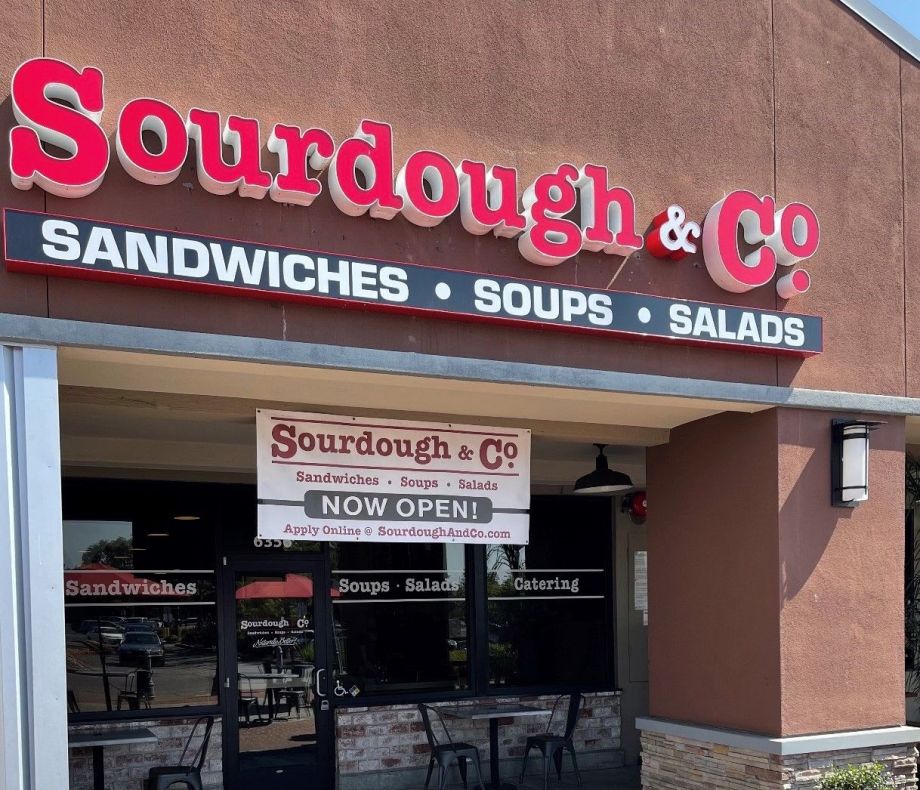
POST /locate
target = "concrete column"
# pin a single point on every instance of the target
(770, 611)
(33, 707)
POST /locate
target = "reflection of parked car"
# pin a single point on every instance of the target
(140, 645)
(110, 636)
(143, 628)
(156, 623)
(89, 626)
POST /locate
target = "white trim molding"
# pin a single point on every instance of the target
(33, 684)
(19, 329)
(792, 745)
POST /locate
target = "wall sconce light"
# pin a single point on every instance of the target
(603, 480)
(850, 461)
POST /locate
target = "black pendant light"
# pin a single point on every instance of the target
(603, 480)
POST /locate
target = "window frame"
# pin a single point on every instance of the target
(609, 683)
(407, 697)
(165, 713)
(154, 713)
(477, 605)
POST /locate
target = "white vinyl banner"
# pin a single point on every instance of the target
(333, 478)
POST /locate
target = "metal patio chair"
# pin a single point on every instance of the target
(163, 777)
(137, 690)
(248, 703)
(553, 745)
(276, 699)
(297, 696)
(448, 753)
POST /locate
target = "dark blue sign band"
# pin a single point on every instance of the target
(64, 246)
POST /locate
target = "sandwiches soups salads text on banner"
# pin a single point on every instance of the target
(328, 477)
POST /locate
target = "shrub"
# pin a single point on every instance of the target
(856, 777)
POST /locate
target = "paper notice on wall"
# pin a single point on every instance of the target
(640, 584)
(325, 477)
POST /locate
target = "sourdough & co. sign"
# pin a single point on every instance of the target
(59, 105)
(329, 478)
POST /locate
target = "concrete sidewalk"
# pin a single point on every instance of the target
(606, 779)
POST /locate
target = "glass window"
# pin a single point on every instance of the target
(276, 666)
(404, 628)
(139, 596)
(238, 526)
(548, 619)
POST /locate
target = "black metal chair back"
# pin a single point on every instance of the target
(553, 744)
(576, 701)
(202, 753)
(428, 712)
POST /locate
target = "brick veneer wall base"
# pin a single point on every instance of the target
(127, 766)
(673, 763)
(390, 742)
(381, 746)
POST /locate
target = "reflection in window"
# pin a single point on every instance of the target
(276, 663)
(139, 599)
(547, 610)
(400, 616)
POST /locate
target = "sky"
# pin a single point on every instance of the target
(905, 12)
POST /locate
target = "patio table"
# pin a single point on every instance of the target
(494, 712)
(100, 739)
(275, 682)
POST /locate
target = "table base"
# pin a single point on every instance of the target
(98, 769)
(496, 783)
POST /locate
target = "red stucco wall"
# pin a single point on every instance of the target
(841, 583)
(714, 642)
(681, 100)
(769, 610)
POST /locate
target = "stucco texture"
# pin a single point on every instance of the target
(769, 610)
(682, 100)
(838, 148)
(714, 655)
(910, 86)
(841, 583)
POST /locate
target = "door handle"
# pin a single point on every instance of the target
(319, 673)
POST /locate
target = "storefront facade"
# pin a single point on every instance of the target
(682, 234)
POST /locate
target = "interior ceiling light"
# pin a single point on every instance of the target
(186, 518)
(603, 480)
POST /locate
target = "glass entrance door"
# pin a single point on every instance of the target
(277, 715)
